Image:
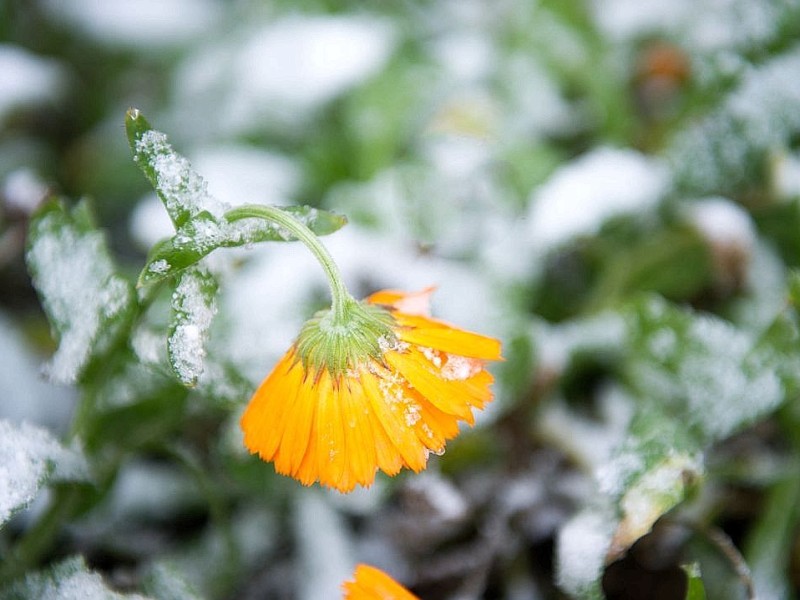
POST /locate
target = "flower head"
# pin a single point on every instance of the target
(370, 583)
(379, 388)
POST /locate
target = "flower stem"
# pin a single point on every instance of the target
(339, 295)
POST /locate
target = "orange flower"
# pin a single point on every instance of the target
(380, 392)
(373, 584)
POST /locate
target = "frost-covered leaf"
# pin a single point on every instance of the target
(194, 306)
(728, 148)
(182, 190)
(711, 376)
(29, 457)
(204, 233)
(68, 580)
(86, 301)
(697, 380)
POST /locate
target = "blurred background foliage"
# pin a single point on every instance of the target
(612, 187)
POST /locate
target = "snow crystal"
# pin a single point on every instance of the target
(69, 580)
(195, 313)
(27, 79)
(28, 455)
(459, 368)
(181, 188)
(80, 291)
(159, 266)
(581, 551)
(155, 24)
(581, 195)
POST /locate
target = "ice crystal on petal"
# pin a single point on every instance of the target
(458, 368)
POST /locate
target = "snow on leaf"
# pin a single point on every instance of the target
(182, 190)
(713, 375)
(657, 491)
(727, 149)
(194, 306)
(68, 580)
(29, 456)
(204, 233)
(85, 299)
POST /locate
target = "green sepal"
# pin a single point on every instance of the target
(364, 333)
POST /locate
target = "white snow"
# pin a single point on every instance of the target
(581, 195)
(581, 549)
(194, 315)
(27, 79)
(23, 189)
(723, 223)
(150, 25)
(306, 61)
(29, 455)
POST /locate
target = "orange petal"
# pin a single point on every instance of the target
(411, 303)
(442, 336)
(455, 397)
(391, 409)
(370, 583)
(331, 450)
(361, 456)
(298, 427)
(264, 419)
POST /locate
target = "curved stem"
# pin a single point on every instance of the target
(339, 294)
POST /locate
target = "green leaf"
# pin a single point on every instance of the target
(204, 233)
(194, 306)
(68, 579)
(695, 590)
(87, 302)
(30, 457)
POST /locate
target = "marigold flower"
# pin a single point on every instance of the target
(380, 388)
(370, 583)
